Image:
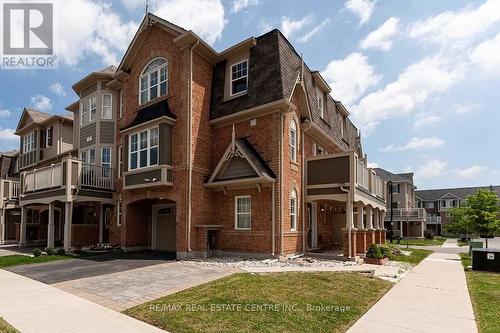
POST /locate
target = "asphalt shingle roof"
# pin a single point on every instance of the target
(461, 192)
(394, 177)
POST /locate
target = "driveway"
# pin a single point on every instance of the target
(78, 268)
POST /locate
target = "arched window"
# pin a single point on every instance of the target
(293, 141)
(153, 82)
(293, 210)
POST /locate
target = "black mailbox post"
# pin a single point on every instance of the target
(486, 260)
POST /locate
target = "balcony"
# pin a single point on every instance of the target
(402, 214)
(71, 172)
(9, 192)
(30, 158)
(434, 219)
(330, 176)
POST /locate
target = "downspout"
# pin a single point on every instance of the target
(349, 215)
(304, 188)
(281, 183)
(273, 214)
(190, 130)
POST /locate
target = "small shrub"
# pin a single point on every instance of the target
(61, 252)
(374, 252)
(49, 251)
(428, 234)
(37, 252)
(385, 251)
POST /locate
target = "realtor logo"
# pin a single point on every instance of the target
(28, 36)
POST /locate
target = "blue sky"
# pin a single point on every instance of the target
(421, 78)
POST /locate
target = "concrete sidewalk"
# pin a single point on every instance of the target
(34, 307)
(433, 297)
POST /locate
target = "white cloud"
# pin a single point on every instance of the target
(314, 31)
(362, 8)
(85, 27)
(350, 77)
(382, 38)
(4, 112)
(433, 168)
(57, 89)
(373, 165)
(471, 172)
(133, 4)
(486, 56)
(41, 103)
(457, 27)
(416, 143)
(467, 108)
(290, 27)
(411, 89)
(239, 5)
(424, 119)
(204, 17)
(8, 134)
(408, 169)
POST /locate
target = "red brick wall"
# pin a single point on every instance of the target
(84, 234)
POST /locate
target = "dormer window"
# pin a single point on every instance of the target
(321, 103)
(29, 142)
(239, 78)
(342, 125)
(153, 82)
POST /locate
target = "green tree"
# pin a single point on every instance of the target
(479, 214)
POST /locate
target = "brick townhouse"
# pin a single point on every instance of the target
(408, 220)
(182, 148)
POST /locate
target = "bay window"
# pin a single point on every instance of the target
(143, 149)
(107, 107)
(88, 109)
(29, 142)
(106, 162)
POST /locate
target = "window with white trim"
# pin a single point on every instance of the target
(243, 212)
(153, 82)
(342, 125)
(29, 142)
(48, 136)
(239, 77)
(106, 162)
(88, 109)
(293, 210)
(293, 141)
(107, 106)
(143, 149)
(88, 156)
(321, 103)
(122, 107)
(120, 161)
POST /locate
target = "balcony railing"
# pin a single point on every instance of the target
(56, 176)
(414, 213)
(367, 179)
(362, 175)
(434, 219)
(30, 158)
(10, 189)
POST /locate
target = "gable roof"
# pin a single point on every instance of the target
(394, 177)
(38, 117)
(102, 74)
(460, 193)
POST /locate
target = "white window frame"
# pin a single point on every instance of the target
(29, 142)
(293, 141)
(321, 103)
(147, 75)
(109, 114)
(47, 136)
(91, 100)
(237, 214)
(120, 161)
(293, 210)
(108, 165)
(149, 147)
(87, 159)
(238, 78)
(342, 125)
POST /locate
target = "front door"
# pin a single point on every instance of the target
(164, 228)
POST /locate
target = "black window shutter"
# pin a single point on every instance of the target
(42, 139)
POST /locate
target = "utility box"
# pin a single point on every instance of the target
(474, 245)
(486, 260)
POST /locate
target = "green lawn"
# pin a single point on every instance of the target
(436, 241)
(17, 259)
(238, 303)
(484, 289)
(416, 256)
(6, 328)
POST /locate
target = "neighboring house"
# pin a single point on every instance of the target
(438, 202)
(9, 195)
(408, 219)
(185, 149)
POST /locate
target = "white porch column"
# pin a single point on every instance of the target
(382, 220)
(101, 222)
(22, 229)
(423, 227)
(360, 217)
(68, 216)
(2, 226)
(369, 217)
(50, 226)
(349, 214)
(376, 218)
(401, 228)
